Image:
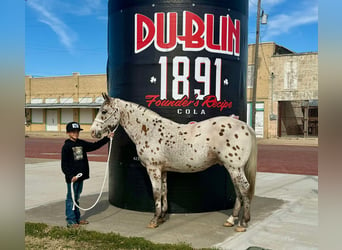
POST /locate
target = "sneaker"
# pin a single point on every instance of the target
(74, 225)
(83, 222)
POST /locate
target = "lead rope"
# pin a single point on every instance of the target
(104, 180)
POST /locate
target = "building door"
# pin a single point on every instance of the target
(259, 118)
(51, 120)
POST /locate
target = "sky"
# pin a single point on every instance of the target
(66, 36)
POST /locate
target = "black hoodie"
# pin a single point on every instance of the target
(74, 157)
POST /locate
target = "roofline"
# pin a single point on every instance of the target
(275, 44)
(296, 54)
(72, 75)
(61, 105)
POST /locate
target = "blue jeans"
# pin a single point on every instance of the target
(73, 216)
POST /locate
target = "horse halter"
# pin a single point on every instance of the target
(103, 121)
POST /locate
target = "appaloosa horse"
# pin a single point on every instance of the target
(163, 145)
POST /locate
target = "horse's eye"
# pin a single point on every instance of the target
(104, 112)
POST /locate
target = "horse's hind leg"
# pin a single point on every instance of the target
(164, 196)
(243, 186)
(235, 215)
(241, 189)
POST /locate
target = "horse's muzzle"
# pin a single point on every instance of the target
(95, 134)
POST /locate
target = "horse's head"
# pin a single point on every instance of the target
(107, 119)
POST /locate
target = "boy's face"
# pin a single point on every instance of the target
(74, 134)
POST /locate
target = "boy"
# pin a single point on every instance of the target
(74, 160)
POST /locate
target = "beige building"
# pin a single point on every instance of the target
(287, 92)
(265, 53)
(294, 95)
(286, 103)
(52, 102)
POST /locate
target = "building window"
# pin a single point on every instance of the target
(99, 99)
(66, 116)
(86, 116)
(85, 100)
(250, 76)
(36, 100)
(37, 116)
(51, 100)
(66, 100)
(290, 75)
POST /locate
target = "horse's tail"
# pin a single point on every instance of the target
(251, 165)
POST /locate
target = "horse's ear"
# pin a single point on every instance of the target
(106, 97)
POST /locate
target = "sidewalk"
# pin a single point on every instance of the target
(284, 212)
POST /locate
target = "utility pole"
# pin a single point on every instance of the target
(255, 78)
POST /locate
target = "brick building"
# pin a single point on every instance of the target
(51, 102)
(266, 51)
(287, 95)
(294, 95)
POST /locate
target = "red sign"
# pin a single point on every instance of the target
(197, 34)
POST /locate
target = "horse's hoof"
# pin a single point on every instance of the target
(240, 229)
(161, 220)
(228, 224)
(152, 225)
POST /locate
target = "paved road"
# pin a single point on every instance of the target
(291, 159)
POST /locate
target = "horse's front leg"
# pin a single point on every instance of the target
(155, 177)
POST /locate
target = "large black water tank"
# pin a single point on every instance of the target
(173, 50)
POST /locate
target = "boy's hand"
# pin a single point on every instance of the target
(110, 135)
(76, 177)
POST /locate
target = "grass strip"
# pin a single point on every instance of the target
(43, 236)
